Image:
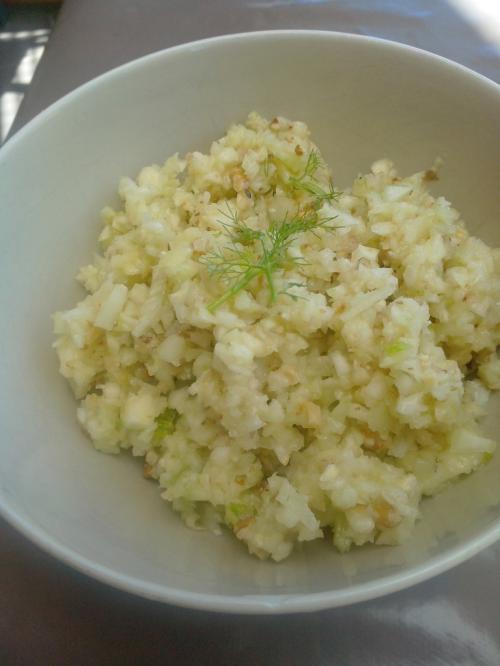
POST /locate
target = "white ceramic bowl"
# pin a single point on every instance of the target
(363, 98)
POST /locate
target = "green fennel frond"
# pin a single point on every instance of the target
(314, 162)
(238, 266)
(251, 253)
(291, 294)
(308, 182)
(236, 230)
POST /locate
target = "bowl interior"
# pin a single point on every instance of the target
(363, 99)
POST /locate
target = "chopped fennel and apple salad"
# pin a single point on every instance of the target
(291, 361)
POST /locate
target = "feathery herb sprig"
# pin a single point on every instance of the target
(252, 253)
(308, 182)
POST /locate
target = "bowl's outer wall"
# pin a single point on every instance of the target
(363, 99)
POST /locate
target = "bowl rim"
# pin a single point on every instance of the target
(244, 604)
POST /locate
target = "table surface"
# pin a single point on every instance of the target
(50, 614)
